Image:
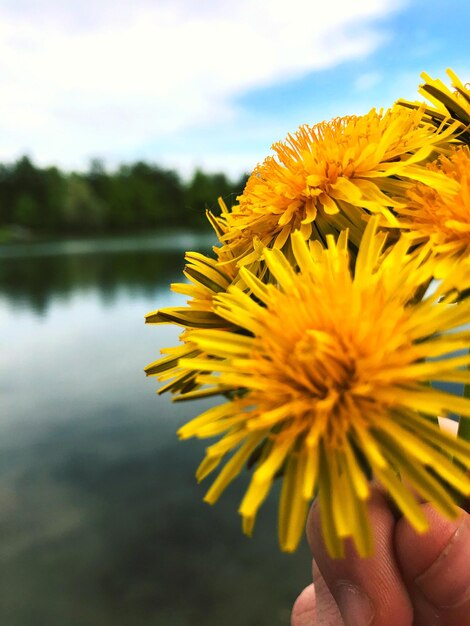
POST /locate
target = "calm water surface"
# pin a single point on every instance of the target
(101, 520)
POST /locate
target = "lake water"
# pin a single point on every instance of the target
(101, 520)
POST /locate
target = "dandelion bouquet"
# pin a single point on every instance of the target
(335, 300)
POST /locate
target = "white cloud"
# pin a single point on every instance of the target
(88, 78)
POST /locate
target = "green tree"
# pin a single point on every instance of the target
(203, 192)
(82, 210)
(134, 197)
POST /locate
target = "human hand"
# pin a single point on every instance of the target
(412, 579)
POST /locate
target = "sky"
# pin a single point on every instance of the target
(207, 84)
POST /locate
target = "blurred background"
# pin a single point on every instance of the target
(120, 123)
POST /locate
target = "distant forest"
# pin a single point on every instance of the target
(132, 198)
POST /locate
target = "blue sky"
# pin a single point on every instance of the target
(207, 83)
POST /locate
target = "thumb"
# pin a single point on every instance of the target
(436, 568)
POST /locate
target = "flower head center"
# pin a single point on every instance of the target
(328, 367)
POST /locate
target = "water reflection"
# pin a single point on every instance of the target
(101, 521)
(33, 276)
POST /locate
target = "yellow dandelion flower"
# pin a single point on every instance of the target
(439, 217)
(329, 374)
(447, 105)
(206, 278)
(332, 176)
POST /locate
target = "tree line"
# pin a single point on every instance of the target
(131, 198)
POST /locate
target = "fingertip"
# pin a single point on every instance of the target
(303, 611)
(435, 566)
(416, 552)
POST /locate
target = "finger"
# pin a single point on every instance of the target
(303, 611)
(436, 568)
(366, 590)
(315, 606)
(327, 610)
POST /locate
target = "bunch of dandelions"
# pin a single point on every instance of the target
(335, 300)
